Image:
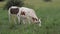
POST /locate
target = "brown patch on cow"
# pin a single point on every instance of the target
(34, 19)
(22, 13)
(14, 10)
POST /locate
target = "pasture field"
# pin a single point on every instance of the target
(49, 12)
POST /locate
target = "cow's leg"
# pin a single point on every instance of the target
(9, 15)
(15, 21)
(28, 19)
(18, 16)
(24, 22)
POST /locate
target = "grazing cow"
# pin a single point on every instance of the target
(29, 15)
(25, 14)
(14, 11)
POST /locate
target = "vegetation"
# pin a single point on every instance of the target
(13, 3)
(1, 0)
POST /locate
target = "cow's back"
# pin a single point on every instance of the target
(14, 10)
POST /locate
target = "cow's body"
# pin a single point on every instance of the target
(29, 15)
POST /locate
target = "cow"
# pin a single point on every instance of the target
(28, 14)
(24, 14)
(14, 11)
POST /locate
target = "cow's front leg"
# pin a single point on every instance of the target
(24, 22)
(28, 19)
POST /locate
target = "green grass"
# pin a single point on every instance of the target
(49, 12)
(41, 3)
(2, 4)
(50, 18)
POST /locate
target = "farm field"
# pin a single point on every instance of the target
(49, 12)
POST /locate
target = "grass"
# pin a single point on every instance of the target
(48, 12)
(2, 4)
(50, 23)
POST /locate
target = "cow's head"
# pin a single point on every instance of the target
(35, 20)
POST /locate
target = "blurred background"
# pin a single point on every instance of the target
(47, 10)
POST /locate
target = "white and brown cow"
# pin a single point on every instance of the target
(14, 11)
(24, 14)
(29, 15)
